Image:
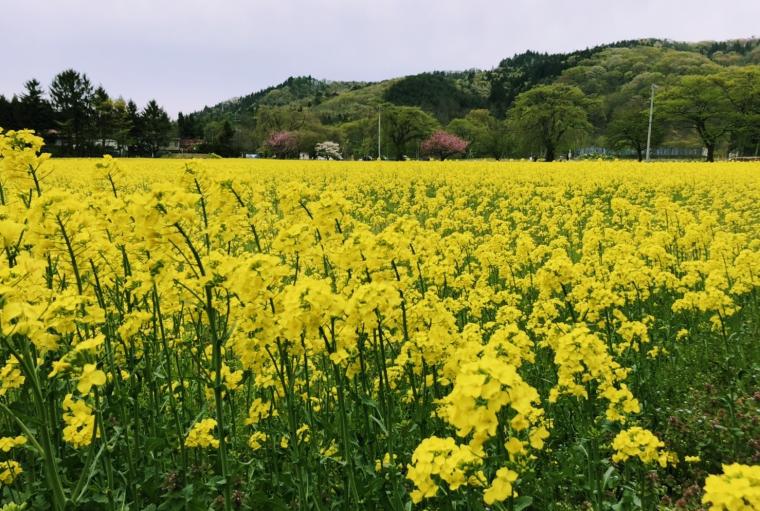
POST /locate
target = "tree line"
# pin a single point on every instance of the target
(80, 119)
(614, 80)
(599, 101)
(704, 99)
(716, 110)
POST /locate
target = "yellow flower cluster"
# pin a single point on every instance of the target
(582, 359)
(91, 377)
(636, 442)
(80, 422)
(20, 151)
(8, 443)
(10, 376)
(256, 440)
(386, 462)
(486, 388)
(441, 459)
(736, 489)
(201, 434)
(501, 487)
(9, 471)
(480, 391)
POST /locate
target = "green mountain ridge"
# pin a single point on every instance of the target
(614, 77)
(532, 104)
(450, 94)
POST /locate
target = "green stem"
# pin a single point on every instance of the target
(52, 474)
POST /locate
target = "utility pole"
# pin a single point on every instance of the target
(651, 112)
(379, 113)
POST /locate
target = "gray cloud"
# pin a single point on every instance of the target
(191, 53)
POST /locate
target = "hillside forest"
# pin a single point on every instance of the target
(590, 103)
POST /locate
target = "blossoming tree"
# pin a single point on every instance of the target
(444, 145)
(328, 150)
(282, 143)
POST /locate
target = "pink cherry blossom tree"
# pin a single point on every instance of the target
(282, 143)
(443, 145)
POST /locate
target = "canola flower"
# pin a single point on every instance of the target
(91, 377)
(736, 489)
(80, 422)
(501, 487)
(8, 443)
(9, 471)
(201, 434)
(441, 459)
(637, 442)
(256, 440)
(11, 376)
(438, 330)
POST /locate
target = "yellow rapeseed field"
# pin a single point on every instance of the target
(232, 334)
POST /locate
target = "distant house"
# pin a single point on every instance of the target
(53, 138)
(189, 145)
(303, 156)
(108, 143)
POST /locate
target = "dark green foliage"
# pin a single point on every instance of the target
(548, 117)
(404, 128)
(155, 127)
(219, 136)
(520, 73)
(78, 119)
(628, 130)
(526, 70)
(699, 102)
(741, 86)
(486, 134)
(187, 127)
(35, 111)
(436, 93)
(72, 96)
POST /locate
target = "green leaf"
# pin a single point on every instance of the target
(606, 479)
(379, 423)
(522, 503)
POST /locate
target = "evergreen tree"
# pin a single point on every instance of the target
(226, 136)
(155, 127)
(121, 125)
(186, 126)
(7, 117)
(35, 111)
(103, 116)
(135, 134)
(72, 98)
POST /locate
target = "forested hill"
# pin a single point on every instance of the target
(327, 110)
(448, 95)
(529, 105)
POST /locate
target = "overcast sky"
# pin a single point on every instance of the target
(191, 53)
